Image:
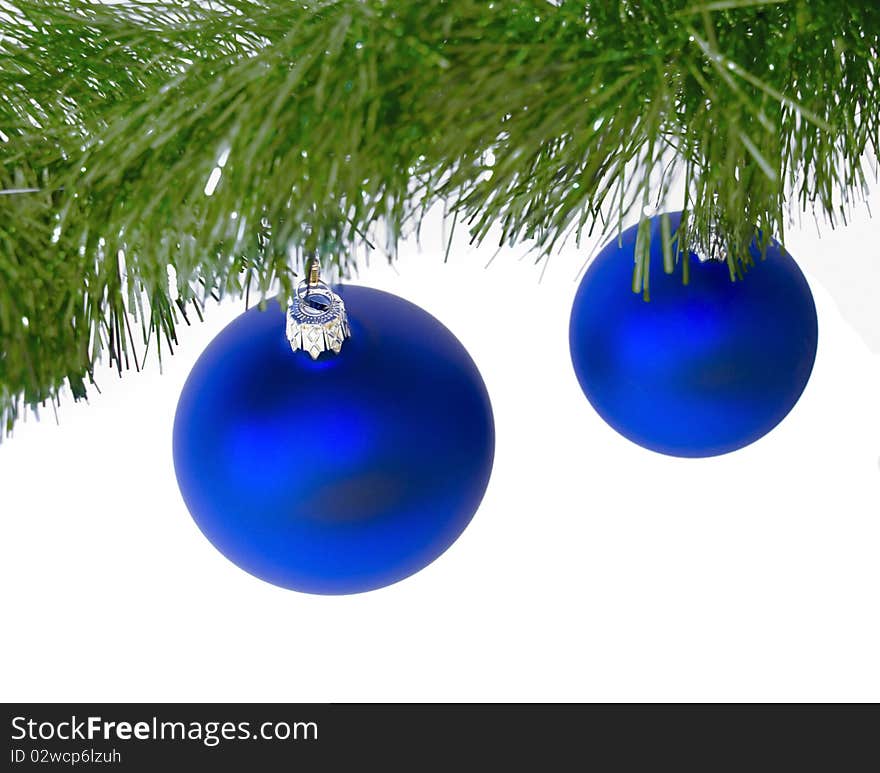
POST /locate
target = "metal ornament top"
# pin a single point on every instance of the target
(316, 318)
(712, 247)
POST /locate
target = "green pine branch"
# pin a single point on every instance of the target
(181, 151)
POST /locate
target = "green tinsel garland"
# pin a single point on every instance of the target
(229, 139)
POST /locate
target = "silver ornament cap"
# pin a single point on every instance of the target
(316, 318)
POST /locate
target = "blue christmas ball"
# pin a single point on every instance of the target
(701, 369)
(341, 474)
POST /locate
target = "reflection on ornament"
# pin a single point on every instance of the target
(342, 473)
(700, 369)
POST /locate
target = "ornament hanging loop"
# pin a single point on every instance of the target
(316, 318)
(315, 272)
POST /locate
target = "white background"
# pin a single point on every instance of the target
(594, 570)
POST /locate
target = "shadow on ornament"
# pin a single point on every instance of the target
(340, 474)
(701, 369)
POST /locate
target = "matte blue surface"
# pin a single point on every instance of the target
(342, 474)
(701, 369)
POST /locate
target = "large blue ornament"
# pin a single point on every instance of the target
(340, 474)
(700, 369)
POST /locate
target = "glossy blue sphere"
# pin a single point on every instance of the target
(341, 474)
(700, 369)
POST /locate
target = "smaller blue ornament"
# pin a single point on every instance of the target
(701, 369)
(329, 472)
